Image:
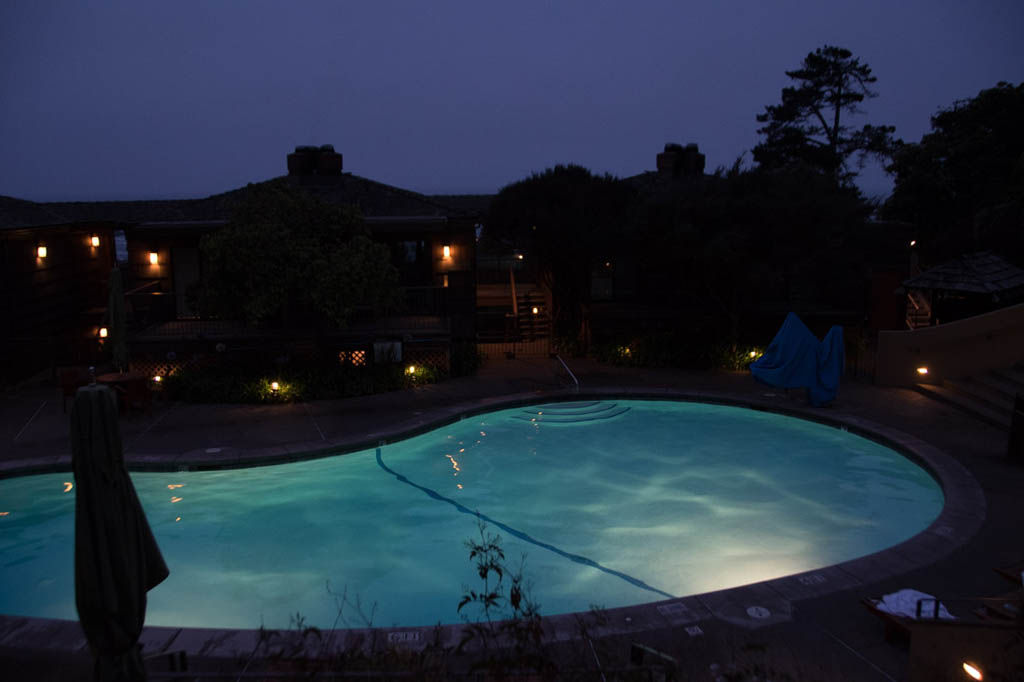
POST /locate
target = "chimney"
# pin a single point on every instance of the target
(310, 160)
(678, 161)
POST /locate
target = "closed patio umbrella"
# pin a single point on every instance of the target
(118, 326)
(116, 556)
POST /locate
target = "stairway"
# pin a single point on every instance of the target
(571, 413)
(919, 311)
(532, 325)
(988, 397)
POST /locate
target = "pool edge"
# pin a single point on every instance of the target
(963, 512)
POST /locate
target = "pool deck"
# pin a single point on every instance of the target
(815, 620)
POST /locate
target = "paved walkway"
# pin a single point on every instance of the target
(825, 632)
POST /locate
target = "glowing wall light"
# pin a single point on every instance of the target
(446, 251)
(153, 258)
(922, 371)
(94, 240)
(103, 332)
(40, 251)
(535, 310)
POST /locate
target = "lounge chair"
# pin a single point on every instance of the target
(901, 609)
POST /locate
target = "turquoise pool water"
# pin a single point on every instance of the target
(612, 503)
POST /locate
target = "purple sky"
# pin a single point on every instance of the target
(138, 99)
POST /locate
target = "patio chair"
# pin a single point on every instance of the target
(1014, 572)
(134, 395)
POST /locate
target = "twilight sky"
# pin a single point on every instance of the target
(144, 100)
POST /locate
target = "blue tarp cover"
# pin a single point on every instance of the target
(796, 359)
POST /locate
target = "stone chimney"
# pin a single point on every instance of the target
(309, 160)
(678, 161)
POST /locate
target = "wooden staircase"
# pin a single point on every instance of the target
(533, 322)
(919, 311)
(988, 397)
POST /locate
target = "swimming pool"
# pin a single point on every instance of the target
(612, 502)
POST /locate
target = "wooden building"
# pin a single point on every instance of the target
(53, 300)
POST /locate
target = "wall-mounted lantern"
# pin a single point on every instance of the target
(923, 371)
(154, 259)
(94, 241)
(446, 250)
(40, 251)
(103, 332)
(535, 310)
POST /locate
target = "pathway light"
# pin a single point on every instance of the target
(973, 670)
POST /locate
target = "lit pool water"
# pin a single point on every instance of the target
(611, 503)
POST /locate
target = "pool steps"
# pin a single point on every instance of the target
(571, 413)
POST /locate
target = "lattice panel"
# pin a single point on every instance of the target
(356, 358)
(436, 358)
(159, 367)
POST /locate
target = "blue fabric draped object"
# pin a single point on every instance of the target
(796, 359)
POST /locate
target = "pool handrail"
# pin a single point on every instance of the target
(571, 375)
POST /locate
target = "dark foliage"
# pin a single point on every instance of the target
(465, 359)
(724, 247)
(250, 382)
(566, 219)
(290, 259)
(963, 183)
(806, 129)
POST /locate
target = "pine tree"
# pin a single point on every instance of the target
(807, 128)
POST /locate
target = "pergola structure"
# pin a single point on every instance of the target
(969, 285)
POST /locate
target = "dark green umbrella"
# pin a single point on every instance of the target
(118, 331)
(116, 556)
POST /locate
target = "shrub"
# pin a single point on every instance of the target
(676, 349)
(250, 382)
(466, 359)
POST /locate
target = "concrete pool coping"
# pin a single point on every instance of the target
(962, 515)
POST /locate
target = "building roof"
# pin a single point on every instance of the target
(469, 204)
(372, 199)
(15, 213)
(975, 273)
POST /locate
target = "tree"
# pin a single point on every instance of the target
(807, 129)
(963, 183)
(753, 236)
(288, 258)
(564, 219)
